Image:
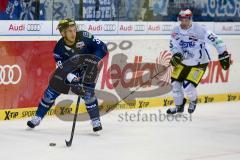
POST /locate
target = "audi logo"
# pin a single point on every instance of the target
(81, 27)
(110, 27)
(167, 27)
(237, 28)
(33, 27)
(139, 27)
(10, 74)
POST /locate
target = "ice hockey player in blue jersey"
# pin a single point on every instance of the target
(64, 50)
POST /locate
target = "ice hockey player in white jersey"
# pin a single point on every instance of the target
(190, 57)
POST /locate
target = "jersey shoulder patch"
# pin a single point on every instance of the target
(175, 32)
(175, 29)
(87, 34)
(199, 29)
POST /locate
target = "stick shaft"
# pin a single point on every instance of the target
(69, 143)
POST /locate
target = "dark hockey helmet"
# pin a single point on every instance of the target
(65, 23)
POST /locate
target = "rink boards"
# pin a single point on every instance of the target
(11, 114)
(27, 62)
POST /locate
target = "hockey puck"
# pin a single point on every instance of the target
(52, 144)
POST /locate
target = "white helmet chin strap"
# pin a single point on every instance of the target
(186, 27)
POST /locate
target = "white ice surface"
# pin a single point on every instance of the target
(213, 134)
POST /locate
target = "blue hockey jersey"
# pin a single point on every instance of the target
(85, 43)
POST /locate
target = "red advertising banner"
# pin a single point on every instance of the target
(24, 70)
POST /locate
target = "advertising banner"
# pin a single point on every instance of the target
(26, 28)
(45, 28)
(97, 11)
(160, 27)
(227, 28)
(26, 66)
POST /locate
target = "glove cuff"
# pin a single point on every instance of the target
(224, 55)
(70, 77)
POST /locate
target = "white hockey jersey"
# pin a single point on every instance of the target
(191, 43)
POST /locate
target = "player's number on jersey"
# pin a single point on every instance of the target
(59, 64)
(96, 40)
(212, 37)
(171, 44)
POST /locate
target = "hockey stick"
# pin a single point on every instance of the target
(122, 99)
(132, 92)
(69, 143)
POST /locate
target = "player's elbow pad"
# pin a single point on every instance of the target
(101, 52)
(104, 47)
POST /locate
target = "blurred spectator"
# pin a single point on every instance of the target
(147, 11)
(28, 8)
(3, 8)
(119, 10)
(3, 5)
(60, 9)
(21, 10)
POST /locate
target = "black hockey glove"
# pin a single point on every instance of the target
(77, 86)
(75, 81)
(78, 89)
(225, 60)
(176, 59)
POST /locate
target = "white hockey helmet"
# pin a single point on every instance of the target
(185, 14)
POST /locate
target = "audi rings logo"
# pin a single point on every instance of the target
(167, 27)
(139, 27)
(33, 27)
(236, 27)
(110, 27)
(81, 27)
(10, 74)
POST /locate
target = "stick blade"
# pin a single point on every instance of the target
(68, 143)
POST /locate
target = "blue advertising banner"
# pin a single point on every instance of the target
(98, 10)
(221, 10)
